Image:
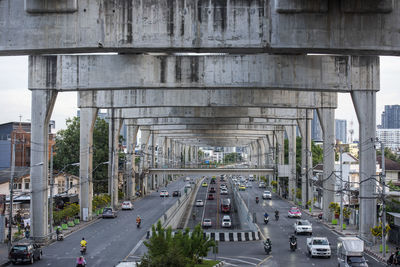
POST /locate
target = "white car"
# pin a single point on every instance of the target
(199, 203)
(318, 246)
(302, 226)
(164, 193)
(262, 185)
(249, 185)
(226, 221)
(127, 205)
(188, 186)
(267, 195)
(207, 223)
(224, 191)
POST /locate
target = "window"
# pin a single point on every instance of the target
(71, 184)
(27, 183)
(61, 186)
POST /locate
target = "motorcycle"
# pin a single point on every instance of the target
(138, 224)
(83, 250)
(293, 245)
(60, 237)
(267, 248)
(320, 216)
(266, 220)
(257, 200)
(276, 217)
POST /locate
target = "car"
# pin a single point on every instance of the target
(25, 251)
(262, 185)
(226, 221)
(204, 184)
(164, 193)
(224, 191)
(249, 185)
(251, 178)
(210, 196)
(294, 212)
(199, 203)
(187, 179)
(212, 190)
(267, 195)
(188, 186)
(176, 193)
(109, 213)
(318, 246)
(207, 223)
(222, 186)
(212, 181)
(242, 187)
(302, 226)
(127, 205)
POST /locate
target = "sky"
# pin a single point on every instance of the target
(15, 98)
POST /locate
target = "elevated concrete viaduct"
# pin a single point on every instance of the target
(136, 26)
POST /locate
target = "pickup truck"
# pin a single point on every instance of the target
(318, 246)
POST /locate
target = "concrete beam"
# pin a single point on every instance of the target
(268, 72)
(135, 26)
(211, 121)
(206, 98)
(247, 127)
(214, 112)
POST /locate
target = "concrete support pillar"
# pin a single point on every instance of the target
(145, 166)
(303, 131)
(309, 162)
(280, 144)
(42, 106)
(130, 167)
(186, 151)
(327, 120)
(152, 160)
(116, 129)
(87, 121)
(365, 106)
(261, 147)
(269, 149)
(291, 133)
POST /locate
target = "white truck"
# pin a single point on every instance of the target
(350, 252)
(318, 247)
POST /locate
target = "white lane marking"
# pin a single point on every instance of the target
(233, 259)
(252, 258)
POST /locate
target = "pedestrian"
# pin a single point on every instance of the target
(27, 230)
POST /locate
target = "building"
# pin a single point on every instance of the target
(390, 137)
(392, 170)
(341, 131)
(316, 130)
(390, 118)
(18, 133)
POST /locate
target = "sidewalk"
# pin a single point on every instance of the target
(351, 230)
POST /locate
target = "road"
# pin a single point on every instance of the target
(110, 240)
(211, 209)
(252, 253)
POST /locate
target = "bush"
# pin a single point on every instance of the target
(100, 201)
(274, 183)
(377, 230)
(69, 212)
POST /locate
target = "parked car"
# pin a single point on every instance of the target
(294, 212)
(127, 205)
(210, 196)
(109, 213)
(207, 223)
(212, 190)
(302, 226)
(25, 251)
(226, 221)
(267, 195)
(204, 184)
(199, 203)
(318, 246)
(224, 191)
(164, 193)
(176, 193)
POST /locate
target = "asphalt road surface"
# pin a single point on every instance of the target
(110, 240)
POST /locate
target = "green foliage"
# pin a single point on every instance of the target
(67, 149)
(334, 207)
(389, 154)
(232, 158)
(317, 154)
(100, 201)
(69, 212)
(298, 193)
(182, 249)
(274, 184)
(200, 154)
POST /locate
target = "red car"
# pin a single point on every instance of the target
(212, 190)
(210, 196)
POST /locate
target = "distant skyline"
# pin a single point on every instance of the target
(15, 98)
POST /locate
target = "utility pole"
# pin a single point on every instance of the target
(341, 188)
(383, 177)
(11, 196)
(51, 191)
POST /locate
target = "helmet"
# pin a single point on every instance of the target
(83, 238)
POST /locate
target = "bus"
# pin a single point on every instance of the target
(226, 205)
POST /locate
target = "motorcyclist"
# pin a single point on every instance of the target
(80, 262)
(293, 240)
(268, 243)
(256, 199)
(83, 242)
(276, 212)
(138, 220)
(266, 215)
(58, 232)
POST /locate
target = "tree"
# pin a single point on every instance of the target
(232, 157)
(67, 149)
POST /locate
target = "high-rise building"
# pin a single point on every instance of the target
(316, 130)
(390, 118)
(341, 130)
(390, 137)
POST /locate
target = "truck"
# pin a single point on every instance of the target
(318, 246)
(350, 252)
